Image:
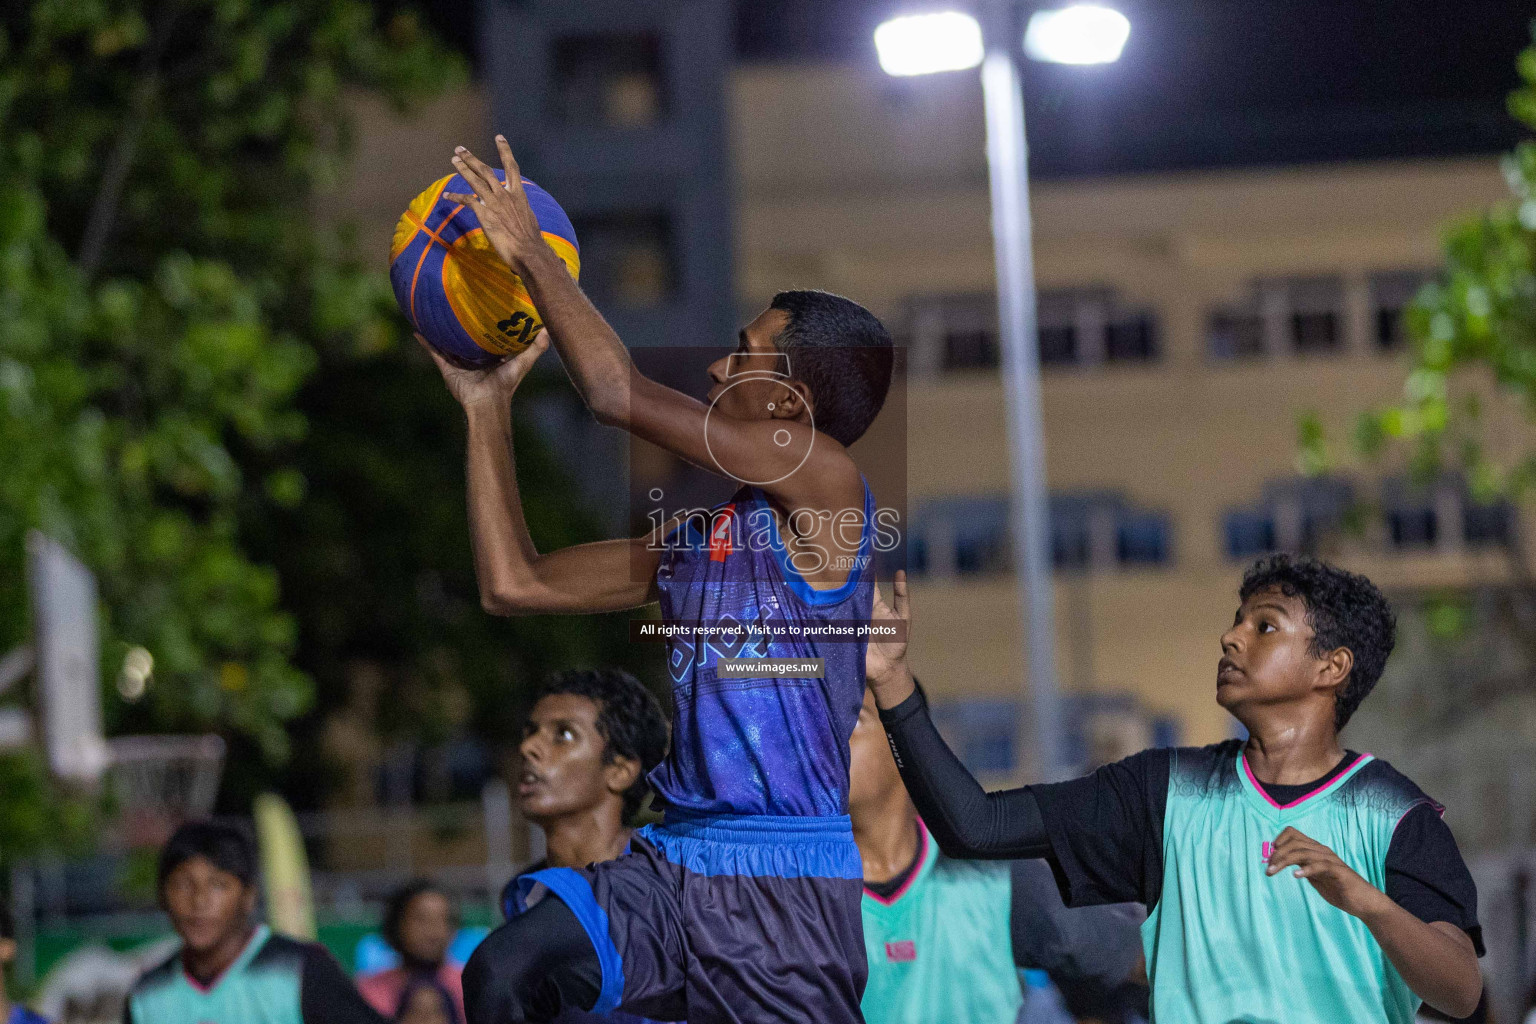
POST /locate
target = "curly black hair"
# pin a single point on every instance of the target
(1344, 609)
(630, 720)
(843, 353)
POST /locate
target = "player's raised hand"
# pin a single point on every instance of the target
(502, 209)
(1335, 881)
(885, 659)
(497, 384)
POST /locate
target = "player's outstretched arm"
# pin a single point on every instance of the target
(967, 821)
(514, 578)
(1435, 958)
(619, 395)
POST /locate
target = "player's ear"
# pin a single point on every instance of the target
(792, 399)
(1337, 665)
(621, 773)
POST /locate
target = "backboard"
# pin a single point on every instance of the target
(63, 595)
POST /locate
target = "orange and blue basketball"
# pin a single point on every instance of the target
(453, 287)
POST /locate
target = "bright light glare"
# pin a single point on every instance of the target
(920, 44)
(1084, 34)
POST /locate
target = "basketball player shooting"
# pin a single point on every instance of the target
(743, 905)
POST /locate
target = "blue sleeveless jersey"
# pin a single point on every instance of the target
(760, 746)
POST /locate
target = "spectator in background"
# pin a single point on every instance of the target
(230, 969)
(11, 1013)
(419, 925)
(426, 1001)
(591, 738)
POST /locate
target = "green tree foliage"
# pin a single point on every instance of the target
(1476, 324)
(209, 395)
(1472, 373)
(162, 289)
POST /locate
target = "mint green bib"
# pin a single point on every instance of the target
(243, 994)
(1227, 943)
(940, 949)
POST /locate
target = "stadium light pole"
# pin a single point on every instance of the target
(954, 41)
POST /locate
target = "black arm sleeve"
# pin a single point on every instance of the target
(1102, 833)
(1106, 830)
(967, 821)
(1426, 875)
(1096, 946)
(327, 996)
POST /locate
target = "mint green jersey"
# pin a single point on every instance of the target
(274, 980)
(167, 995)
(1228, 943)
(940, 949)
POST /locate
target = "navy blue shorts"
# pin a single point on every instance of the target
(742, 920)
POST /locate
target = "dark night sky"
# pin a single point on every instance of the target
(1208, 83)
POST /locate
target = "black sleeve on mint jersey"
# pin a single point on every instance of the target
(327, 995)
(1106, 831)
(968, 822)
(1426, 875)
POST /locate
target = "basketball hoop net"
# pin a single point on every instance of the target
(159, 782)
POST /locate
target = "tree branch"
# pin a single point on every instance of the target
(114, 176)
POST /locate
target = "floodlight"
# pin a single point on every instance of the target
(1082, 34)
(921, 44)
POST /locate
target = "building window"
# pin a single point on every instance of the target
(981, 546)
(1291, 515)
(1056, 315)
(1143, 538)
(1088, 531)
(1071, 543)
(1086, 326)
(1391, 294)
(1316, 306)
(1236, 332)
(962, 328)
(1413, 511)
(966, 535)
(917, 556)
(1303, 315)
(1490, 524)
(627, 257)
(608, 80)
(1101, 530)
(1075, 327)
(970, 349)
(1058, 345)
(1131, 339)
(1442, 513)
(1413, 526)
(1249, 533)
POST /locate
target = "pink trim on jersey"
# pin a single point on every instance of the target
(922, 858)
(1258, 788)
(213, 982)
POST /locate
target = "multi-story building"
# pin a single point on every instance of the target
(1187, 322)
